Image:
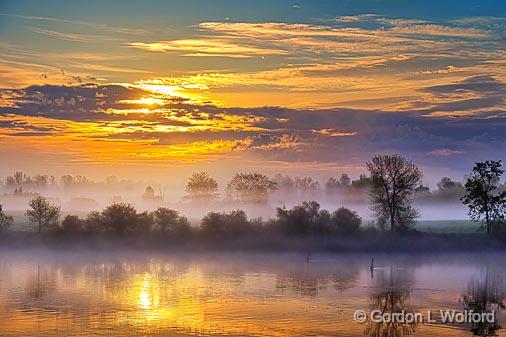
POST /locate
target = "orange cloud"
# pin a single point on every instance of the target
(206, 47)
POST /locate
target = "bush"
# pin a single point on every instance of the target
(308, 219)
(345, 221)
(225, 225)
(72, 224)
(302, 219)
(6, 221)
(119, 218)
(169, 222)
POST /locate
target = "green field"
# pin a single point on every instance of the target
(448, 226)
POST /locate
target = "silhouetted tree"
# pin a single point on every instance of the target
(201, 186)
(169, 221)
(68, 181)
(422, 193)
(250, 187)
(122, 218)
(306, 187)
(334, 185)
(43, 214)
(149, 193)
(285, 183)
(72, 224)
(94, 223)
(6, 221)
(345, 221)
(225, 225)
(483, 197)
(331, 186)
(303, 219)
(394, 179)
(448, 189)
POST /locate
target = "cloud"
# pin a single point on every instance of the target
(444, 152)
(335, 133)
(70, 36)
(114, 114)
(206, 47)
(333, 92)
(95, 25)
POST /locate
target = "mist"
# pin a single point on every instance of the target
(81, 195)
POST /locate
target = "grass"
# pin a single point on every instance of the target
(448, 226)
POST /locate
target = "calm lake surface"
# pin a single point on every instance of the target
(239, 294)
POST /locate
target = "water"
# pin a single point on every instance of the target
(133, 294)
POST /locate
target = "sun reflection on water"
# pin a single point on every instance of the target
(158, 297)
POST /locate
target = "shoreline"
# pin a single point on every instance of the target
(365, 243)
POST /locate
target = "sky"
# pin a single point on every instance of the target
(161, 89)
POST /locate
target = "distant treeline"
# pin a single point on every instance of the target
(243, 187)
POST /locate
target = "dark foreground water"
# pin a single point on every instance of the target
(132, 294)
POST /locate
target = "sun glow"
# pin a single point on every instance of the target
(144, 101)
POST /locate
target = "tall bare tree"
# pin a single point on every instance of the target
(394, 180)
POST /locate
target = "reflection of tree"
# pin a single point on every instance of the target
(482, 296)
(308, 282)
(393, 291)
(40, 285)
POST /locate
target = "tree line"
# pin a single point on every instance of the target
(121, 219)
(392, 185)
(242, 187)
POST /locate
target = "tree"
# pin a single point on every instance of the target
(362, 183)
(307, 187)
(344, 181)
(285, 183)
(394, 180)
(303, 219)
(72, 224)
(345, 221)
(483, 196)
(331, 186)
(334, 185)
(422, 193)
(201, 186)
(149, 194)
(225, 225)
(122, 218)
(42, 213)
(250, 187)
(6, 221)
(169, 221)
(448, 189)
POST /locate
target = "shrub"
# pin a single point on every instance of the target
(345, 221)
(72, 224)
(6, 221)
(302, 219)
(119, 218)
(170, 222)
(222, 225)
